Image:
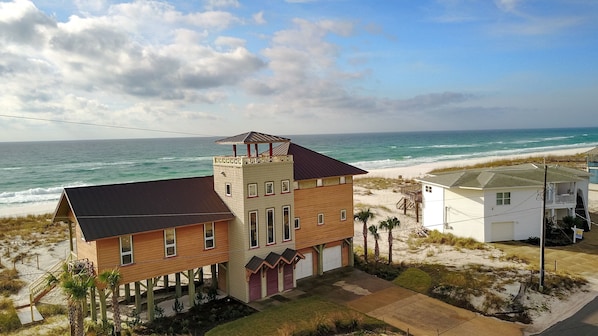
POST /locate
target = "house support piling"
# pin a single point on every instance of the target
(137, 297)
(150, 299)
(191, 287)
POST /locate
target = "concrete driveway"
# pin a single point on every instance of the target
(400, 307)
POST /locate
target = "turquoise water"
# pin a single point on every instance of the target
(32, 172)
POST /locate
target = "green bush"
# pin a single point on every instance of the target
(414, 279)
(9, 321)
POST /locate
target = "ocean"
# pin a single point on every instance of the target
(36, 172)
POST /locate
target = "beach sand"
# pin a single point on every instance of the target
(378, 199)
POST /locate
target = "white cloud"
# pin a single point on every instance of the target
(259, 18)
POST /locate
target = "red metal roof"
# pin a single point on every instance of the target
(251, 138)
(121, 209)
(310, 165)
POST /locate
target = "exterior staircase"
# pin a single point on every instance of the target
(37, 290)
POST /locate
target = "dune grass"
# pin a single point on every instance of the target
(32, 228)
(307, 316)
(572, 161)
(415, 279)
(436, 237)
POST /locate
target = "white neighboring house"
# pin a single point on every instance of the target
(504, 203)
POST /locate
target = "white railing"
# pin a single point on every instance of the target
(565, 198)
(244, 160)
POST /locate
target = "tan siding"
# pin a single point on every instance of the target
(329, 201)
(83, 249)
(148, 253)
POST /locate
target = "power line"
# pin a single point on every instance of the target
(101, 125)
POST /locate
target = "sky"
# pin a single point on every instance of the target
(114, 69)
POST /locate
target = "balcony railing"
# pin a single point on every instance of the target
(244, 160)
(562, 199)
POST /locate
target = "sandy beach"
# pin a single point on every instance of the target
(384, 204)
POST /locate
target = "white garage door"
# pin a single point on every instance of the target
(332, 258)
(502, 231)
(304, 267)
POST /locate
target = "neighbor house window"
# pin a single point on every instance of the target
(297, 223)
(318, 182)
(503, 198)
(253, 242)
(343, 215)
(342, 180)
(270, 226)
(286, 222)
(252, 190)
(286, 186)
(208, 235)
(320, 218)
(170, 242)
(126, 250)
(228, 189)
(269, 188)
(428, 189)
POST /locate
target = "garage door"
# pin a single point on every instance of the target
(502, 231)
(332, 258)
(305, 267)
(272, 281)
(255, 287)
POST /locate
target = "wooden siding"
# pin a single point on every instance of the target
(83, 249)
(148, 252)
(330, 201)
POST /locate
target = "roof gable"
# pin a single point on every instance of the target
(120, 209)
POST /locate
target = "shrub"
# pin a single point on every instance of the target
(414, 279)
(9, 321)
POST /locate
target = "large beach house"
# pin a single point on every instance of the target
(504, 203)
(262, 221)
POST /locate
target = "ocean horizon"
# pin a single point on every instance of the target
(36, 172)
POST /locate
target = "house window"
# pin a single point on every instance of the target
(428, 189)
(270, 226)
(343, 215)
(228, 189)
(297, 223)
(286, 222)
(208, 235)
(503, 198)
(318, 182)
(342, 180)
(269, 188)
(320, 218)
(253, 242)
(170, 242)
(126, 250)
(252, 190)
(286, 186)
(295, 185)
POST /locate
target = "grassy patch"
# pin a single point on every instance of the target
(308, 316)
(573, 161)
(32, 227)
(376, 183)
(10, 282)
(9, 321)
(414, 279)
(436, 237)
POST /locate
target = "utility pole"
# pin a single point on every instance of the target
(543, 231)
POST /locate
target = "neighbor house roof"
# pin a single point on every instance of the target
(309, 164)
(251, 138)
(121, 209)
(525, 175)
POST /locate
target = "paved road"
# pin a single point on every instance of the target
(583, 323)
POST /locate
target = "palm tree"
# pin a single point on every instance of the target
(374, 231)
(363, 216)
(112, 279)
(75, 284)
(389, 224)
